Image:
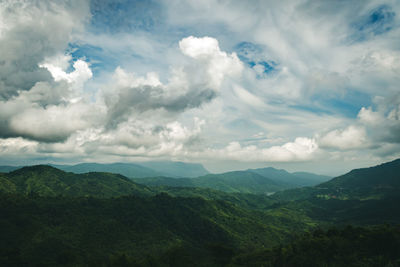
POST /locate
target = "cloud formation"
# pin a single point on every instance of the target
(284, 81)
(189, 86)
(352, 137)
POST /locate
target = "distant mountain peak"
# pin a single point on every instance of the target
(36, 168)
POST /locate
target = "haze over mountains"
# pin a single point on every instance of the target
(166, 173)
(366, 183)
(133, 170)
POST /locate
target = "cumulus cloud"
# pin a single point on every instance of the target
(39, 100)
(17, 146)
(133, 138)
(352, 137)
(50, 111)
(30, 32)
(300, 149)
(63, 94)
(197, 82)
(219, 63)
(384, 122)
(57, 67)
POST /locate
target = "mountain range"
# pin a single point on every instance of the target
(55, 218)
(132, 170)
(180, 174)
(367, 183)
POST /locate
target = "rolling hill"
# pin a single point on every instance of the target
(51, 218)
(140, 169)
(126, 169)
(45, 180)
(367, 183)
(174, 169)
(291, 180)
(231, 182)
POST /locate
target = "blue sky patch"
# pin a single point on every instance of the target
(254, 56)
(349, 105)
(125, 15)
(98, 59)
(378, 21)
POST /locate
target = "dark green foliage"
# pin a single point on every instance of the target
(369, 183)
(349, 246)
(231, 182)
(166, 181)
(374, 182)
(52, 231)
(247, 201)
(49, 217)
(48, 181)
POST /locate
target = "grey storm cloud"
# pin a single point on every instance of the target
(190, 86)
(44, 31)
(146, 97)
(31, 32)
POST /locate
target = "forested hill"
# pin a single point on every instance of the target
(141, 169)
(45, 180)
(291, 180)
(54, 218)
(384, 175)
(231, 182)
(174, 169)
(367, 183)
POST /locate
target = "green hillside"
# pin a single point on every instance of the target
(48, 181)
(50, 231)
(239, 182)
(231, 182)
(54, 218)
(247, 201)
(348, 246)
(291, 180)
(378, 181)
(140, 169)
(126, 169)
(367, 183)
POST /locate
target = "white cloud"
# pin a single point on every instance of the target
(300, 150)
(17, 146)
(304, 76)
(384, 122)
(31, 32)
(369, 117)
(219, 63)
(353, 137)
(189, 86)
(53, 123)
(57, 67)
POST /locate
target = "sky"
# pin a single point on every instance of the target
(300, 85)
